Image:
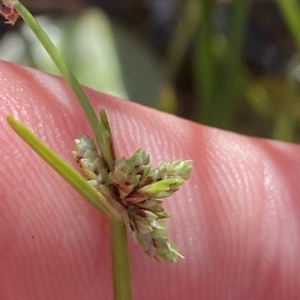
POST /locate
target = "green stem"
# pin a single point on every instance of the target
(67, 75)
(121, 272)
(120, 260)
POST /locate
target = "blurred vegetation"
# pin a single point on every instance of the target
(229, 64)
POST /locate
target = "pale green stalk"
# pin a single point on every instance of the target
(119, 253)
(67, 75)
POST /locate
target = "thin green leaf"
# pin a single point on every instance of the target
(79, 183)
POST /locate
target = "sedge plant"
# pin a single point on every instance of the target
(128, 190)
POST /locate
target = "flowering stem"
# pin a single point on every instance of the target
(121, 271)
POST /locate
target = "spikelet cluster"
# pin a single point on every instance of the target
(139, 189)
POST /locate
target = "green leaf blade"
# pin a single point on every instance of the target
(61, 166)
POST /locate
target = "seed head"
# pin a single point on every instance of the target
(139, 189)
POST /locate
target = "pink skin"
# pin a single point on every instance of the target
(236, 220)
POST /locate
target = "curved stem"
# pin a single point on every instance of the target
(68, 76)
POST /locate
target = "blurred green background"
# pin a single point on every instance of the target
(229, 64)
